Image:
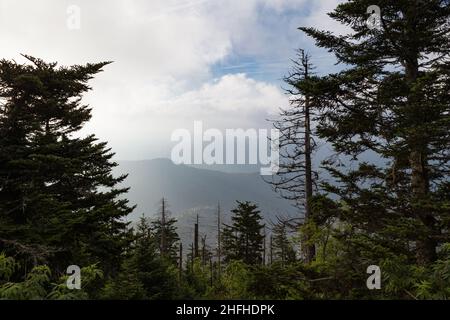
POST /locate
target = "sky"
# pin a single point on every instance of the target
(174, 61)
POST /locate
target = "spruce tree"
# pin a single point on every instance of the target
(388, 112)
(243, 239)
(145, 274)
(283, 251)
(165, 231)
(59, 202)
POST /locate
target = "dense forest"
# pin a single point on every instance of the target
(381, 199)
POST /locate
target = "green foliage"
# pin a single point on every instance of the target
(91, 280)
(235, 281)
(59, 203)
(403, 279)
(145, 274)
(198, 280)
(282, 249)
(34, 287)
(386, 116)
(278, 281)
(124, 286)
(37, 284)
(7, 267)
(171, 238)
(386, 202)
(243, 240)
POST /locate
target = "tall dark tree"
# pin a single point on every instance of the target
(296, 178)
(219, 241)
(165, 230)
(59, 201)
(283, 250)
(243, 239)
(145, 274)
(389, 112)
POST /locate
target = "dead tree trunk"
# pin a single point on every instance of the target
(196, 252)
(163, 228)
(310, 249)
(219, 243)
(180, 263)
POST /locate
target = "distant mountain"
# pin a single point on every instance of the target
(191, 191)
(187, 188)
(229, 168)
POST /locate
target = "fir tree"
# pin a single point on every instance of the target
(283, 251)
(391, 105)
(145, 274)
(59, 201)
(165, 231)
(243, 239)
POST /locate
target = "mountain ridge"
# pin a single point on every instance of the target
(186, 188)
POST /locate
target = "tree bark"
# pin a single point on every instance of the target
(196, 251)
(309, 249)
(425, 244)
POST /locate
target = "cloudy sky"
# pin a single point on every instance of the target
(175, 61)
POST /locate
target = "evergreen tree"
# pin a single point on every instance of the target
(389, 113)
(243, 239)
(59, 201)
(283, 251)
(145, 274)
(165, 231)
(154, 273)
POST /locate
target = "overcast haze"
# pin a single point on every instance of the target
(174, 61)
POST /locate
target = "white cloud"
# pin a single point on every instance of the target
(233, 94)
(163, 53)
(233, 101)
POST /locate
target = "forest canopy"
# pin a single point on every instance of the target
(61, 205)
